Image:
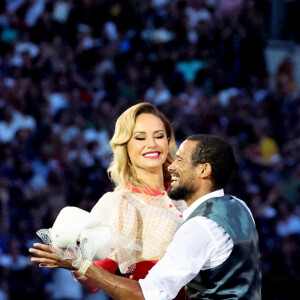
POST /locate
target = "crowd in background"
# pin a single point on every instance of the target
(69, 68)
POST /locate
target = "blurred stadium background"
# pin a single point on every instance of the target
(68, 68)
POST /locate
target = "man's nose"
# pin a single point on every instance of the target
(171, 167)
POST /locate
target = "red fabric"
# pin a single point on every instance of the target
(142, 268)
(107, 264)
(140, 271)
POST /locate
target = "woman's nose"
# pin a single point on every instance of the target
(152, 142)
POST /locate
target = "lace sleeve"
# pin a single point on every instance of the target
(120, 213)
(76, 234)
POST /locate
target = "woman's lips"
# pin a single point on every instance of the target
(152, 155)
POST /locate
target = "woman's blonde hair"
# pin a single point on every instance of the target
(121, 171)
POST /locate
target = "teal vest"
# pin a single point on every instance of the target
(239, 277)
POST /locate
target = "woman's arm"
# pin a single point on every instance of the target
(119, 212)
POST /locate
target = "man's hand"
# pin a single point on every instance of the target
(118, 288)
(48, 259)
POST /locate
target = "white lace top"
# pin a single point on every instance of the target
(142, 225)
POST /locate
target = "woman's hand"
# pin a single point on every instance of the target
(47, 259)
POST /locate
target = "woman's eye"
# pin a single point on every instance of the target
(160, 137)
(139, 138)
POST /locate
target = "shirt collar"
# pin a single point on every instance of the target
(193, 206)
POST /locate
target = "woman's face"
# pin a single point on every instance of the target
(148, 146)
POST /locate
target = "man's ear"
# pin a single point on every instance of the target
(205, 170)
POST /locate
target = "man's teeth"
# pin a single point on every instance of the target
(151, 154)
(174, 178)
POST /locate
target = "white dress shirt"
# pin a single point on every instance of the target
(199, 244)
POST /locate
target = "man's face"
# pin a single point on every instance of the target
(184, 179)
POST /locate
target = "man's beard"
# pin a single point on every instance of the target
(179, 193)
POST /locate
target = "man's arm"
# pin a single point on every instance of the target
(117, 287)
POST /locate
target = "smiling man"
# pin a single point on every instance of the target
(214, 254)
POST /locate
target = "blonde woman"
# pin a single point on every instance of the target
(142, 217)
(139, 211)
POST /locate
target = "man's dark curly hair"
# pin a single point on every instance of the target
(218, 153)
